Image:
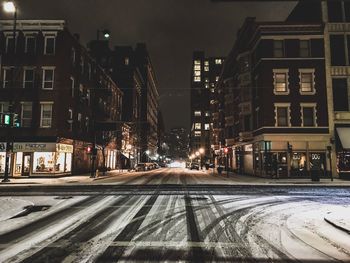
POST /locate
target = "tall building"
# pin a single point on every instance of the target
(177, 142)
(335, 16)
(132, 69)
(62, 99)
(205, 73)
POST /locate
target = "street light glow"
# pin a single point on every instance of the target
(147, 152)
(197, 153)
(201, 150)
(9, 7)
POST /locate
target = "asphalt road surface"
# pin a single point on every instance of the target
(150, 218)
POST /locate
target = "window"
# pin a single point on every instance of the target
(197, 113)
(307, 84)
(82, 65)
(308, 115)
(340, 94)
(218, 61)
(206, 86)
(217, 78)
(206, 126)
(48, 78)
(197, 126)
(278, 50)
(282, 115)
(26, 114)
(280, 81)
(334, 11)
(72, 86)
(126, 61)
(46, 115)
(7, 77)
(28, 78)
(79, 119)
(30, 45)
(337, 46)
(197, 71)
(49, 48)
(304, 48)
(87, 123)
(197, 133)
(207, 114)
(9, 44)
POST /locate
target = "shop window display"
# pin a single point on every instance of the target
(343, 162)
(18, 164)
(2, 162)
(44, 162)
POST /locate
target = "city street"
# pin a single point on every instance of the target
(173, 215)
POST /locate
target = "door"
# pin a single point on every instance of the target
(26, 164)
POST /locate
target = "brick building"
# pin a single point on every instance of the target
(61, 96)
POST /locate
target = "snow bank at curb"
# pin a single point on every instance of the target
(11, 207)
(339, 218)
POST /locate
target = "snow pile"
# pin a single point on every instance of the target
(12, 206)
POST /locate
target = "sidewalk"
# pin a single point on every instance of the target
(250, 179)
(84, 179)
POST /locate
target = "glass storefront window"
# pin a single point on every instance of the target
(44, 162)
(343, 162)
(59, 167)
(298, 161)
(2, 162)
(18, 162)
(68, 166)
(317, 161)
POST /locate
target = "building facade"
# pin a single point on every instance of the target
(61, 96)
(205, 73)
(275, 82)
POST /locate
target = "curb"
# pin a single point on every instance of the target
(347, 231)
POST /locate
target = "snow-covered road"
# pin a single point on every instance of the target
(182, 227)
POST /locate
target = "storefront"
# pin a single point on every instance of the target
(343, 151)
(2, 157)
(41, 158)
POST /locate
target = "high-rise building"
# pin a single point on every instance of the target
(205, 73)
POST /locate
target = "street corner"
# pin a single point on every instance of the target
(339, 218)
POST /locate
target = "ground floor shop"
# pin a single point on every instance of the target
(297, 156)
(342, 151)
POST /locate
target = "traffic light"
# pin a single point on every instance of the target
(15, 121)
(225, 150)
(6, 119)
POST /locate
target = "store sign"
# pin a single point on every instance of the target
(64, 148)
(248, 148)
(34, 147)
(2, 146)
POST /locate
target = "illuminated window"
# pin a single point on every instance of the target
(126, 61)
(197, 133)
(207, 113)
(278, 50)
(206, 80)
(197, 71)
(217, 78)
(306, 77)
(197, 79)
(206, 126)
(280, 81)
(206, 86)
(218, 61)
(197, 113)
(197, 126)
(197, 67)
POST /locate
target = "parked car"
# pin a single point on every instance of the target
(194, 166)
(140, 167)
(149, 166)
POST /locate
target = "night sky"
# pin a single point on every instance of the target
(172, 30)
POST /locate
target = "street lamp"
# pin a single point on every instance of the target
(9, 7)
(106, 34)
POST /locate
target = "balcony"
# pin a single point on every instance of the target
(339, 27)
(340, 70)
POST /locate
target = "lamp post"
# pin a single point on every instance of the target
(106, 34)
(9, 7)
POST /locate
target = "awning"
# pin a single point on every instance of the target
(344, 136)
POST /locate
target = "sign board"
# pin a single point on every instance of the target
(248, 148)
(34, 147)
(64, 148)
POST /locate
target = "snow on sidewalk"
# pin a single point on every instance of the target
(11, 207)
(339, 217)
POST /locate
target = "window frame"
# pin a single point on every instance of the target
(29, 36)
(308, 48)
(26, 103)
(282, 105)
(25, 69)
(43, 77)
(42, 104)
(46, 37)
(282, 49)
(281, 71)
(5, 82)
(308, 105)
(313, 83)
